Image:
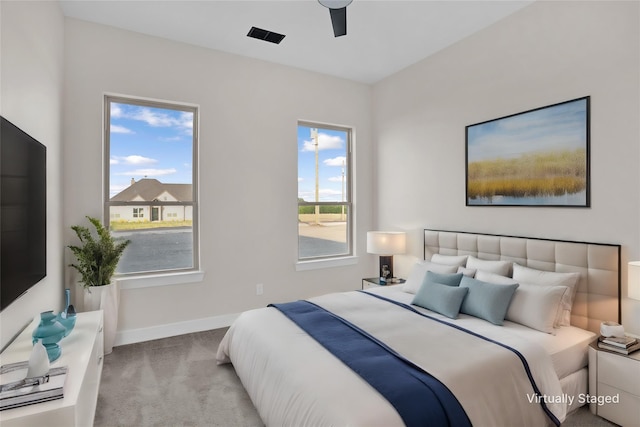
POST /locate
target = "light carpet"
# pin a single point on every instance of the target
(176, 382)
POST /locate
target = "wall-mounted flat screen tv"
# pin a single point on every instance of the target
(23, 214)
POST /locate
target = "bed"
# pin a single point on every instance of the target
(387, 356)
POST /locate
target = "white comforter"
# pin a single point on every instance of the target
(294, 381)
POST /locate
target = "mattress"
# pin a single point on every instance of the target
(568, 347)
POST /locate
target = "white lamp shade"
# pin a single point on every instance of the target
(633, 284)
(386, 242)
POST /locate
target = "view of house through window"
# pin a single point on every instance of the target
(324, 191)
(151, 183)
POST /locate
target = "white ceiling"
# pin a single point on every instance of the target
(382, 38)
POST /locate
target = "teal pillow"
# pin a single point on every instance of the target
(443, 299)
(487, 301)
(444, 279)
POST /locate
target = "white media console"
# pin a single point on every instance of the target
(82, 353)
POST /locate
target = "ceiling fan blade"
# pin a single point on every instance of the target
(339, 21)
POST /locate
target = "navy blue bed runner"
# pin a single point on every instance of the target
(523, 360)
(420, 399)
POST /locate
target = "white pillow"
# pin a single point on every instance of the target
(502, 268)
(551, 278)
(419, 270)
(485, 276)
(459, 260)
(469, 272)
(536, 306)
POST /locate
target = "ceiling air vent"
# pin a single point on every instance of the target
(269, 36)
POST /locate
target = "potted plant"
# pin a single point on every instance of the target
(96, 261)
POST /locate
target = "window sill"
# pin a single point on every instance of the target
(326, 263)
(154, 280)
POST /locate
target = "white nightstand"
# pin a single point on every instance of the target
(374, 282)
(615, 380)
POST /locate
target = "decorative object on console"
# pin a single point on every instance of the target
(38, 361)
(49, 332)
(35, 388)
(82, 360)
(538, 157)
(386, 244)
(37, 373)
(67, 317)
(97, 260)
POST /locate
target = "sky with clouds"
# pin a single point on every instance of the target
(560, 127)
(157, 143)
(332, 157)
(149, 142)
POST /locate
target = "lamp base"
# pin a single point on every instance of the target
(386, 266)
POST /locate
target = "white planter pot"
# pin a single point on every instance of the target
(107, 299)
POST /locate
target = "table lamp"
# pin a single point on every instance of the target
(633, 284)
(386, 244)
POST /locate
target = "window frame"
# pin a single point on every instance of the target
(107, 203)
(304, 263)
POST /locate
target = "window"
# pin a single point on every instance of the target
(324, 192)
(151, 183)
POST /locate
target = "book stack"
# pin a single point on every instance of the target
(623, 345)
(20, 392)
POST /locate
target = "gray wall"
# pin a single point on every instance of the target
(248, 168)
(546, 53)
(31, 98)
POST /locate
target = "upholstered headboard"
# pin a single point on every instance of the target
(598, 295)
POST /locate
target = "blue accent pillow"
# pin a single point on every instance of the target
(444, 279)
(443, 299)
(487, 301)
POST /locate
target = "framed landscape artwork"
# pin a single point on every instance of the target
(538, 157)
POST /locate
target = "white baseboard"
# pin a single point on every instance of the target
(132, 336)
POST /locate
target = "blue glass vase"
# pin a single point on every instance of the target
(67, 317)
(49, 332)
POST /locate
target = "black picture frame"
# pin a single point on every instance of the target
(538, 157)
